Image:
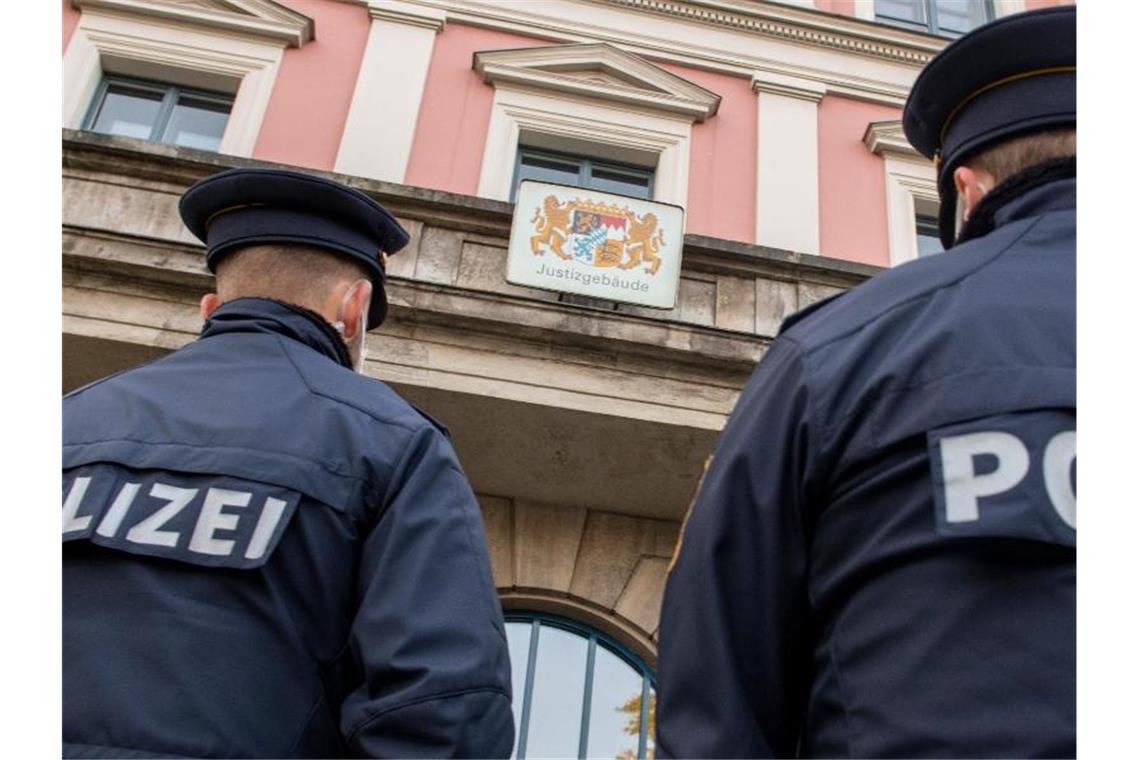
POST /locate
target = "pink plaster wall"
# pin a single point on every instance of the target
(722, 160)
(447, 151)
(309, 106)
(70, 19)
(842, 7)
(852, 188)
(1032, 5)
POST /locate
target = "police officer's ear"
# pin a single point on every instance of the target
(354, 308)
(209, 304)
(972, 184)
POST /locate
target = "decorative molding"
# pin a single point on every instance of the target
(713, 48)
(260, 18)
(626, 78)
(845, 33)
(886, 137)
(789, 87)
(910, 183)
(398, 12)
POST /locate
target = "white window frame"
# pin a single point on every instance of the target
(536, 105)
(912, 185)
(183, 45)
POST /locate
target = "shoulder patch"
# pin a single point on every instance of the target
(210, 520)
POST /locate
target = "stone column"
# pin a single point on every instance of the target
(787, 165)
(381, 123)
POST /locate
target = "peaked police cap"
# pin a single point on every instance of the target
(1011, 77)
(243, 207)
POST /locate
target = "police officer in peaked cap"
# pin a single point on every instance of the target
(265, 552)
(880, 560)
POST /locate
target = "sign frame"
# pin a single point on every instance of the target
(571, 239)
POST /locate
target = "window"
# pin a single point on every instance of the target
(567, 169)
(927, 238)
(161, 112)
(577, 692)
(948, 18)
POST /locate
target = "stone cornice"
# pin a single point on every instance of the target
(884, 137)
(802, 25)
(745, 58)
(167, 164)
(259, 18)
(405, 13)
(643, 84)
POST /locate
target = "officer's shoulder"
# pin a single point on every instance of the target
(846, 314)
(371, 398)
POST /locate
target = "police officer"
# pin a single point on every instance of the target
(880, 561)
(266, 553)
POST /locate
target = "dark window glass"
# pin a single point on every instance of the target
(958, 16)
(582, 171)
(949, 18)
(546, 169)
(197, 123)
(929, 242)
(161, 112)
(578, 693)
(128, 111)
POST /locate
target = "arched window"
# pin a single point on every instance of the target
(577, 692)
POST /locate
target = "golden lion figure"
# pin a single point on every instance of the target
(642, 245)
(552, 228)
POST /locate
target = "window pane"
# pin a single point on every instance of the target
(615, 707)
(518, 643)
(128, 111)
(960, 16)
(197, 123)
(556, 707)
(617, 181)
(901, 10)
(548, 170)
(926, 229)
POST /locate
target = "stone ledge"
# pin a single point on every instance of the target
(145, 160)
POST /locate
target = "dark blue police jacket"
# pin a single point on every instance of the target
(266, 554)
(881, 560)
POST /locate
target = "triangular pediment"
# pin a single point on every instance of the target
(598, 71)
(263, 18)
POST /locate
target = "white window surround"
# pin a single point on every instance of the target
(232, 46)
(592, 99)
(911, 186)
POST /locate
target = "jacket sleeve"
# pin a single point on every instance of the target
(732, 655)
(428, 633)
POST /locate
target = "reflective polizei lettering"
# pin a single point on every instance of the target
(965, 486)
(211, 519)
(147, 531)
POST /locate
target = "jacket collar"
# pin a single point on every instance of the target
(1048, 186)
(264, 315)
(1056, 196)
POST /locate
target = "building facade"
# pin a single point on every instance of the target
(582, 423)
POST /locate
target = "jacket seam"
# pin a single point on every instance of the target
(322, 394)
(928, 292)
(319, 464)
(364, 722)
